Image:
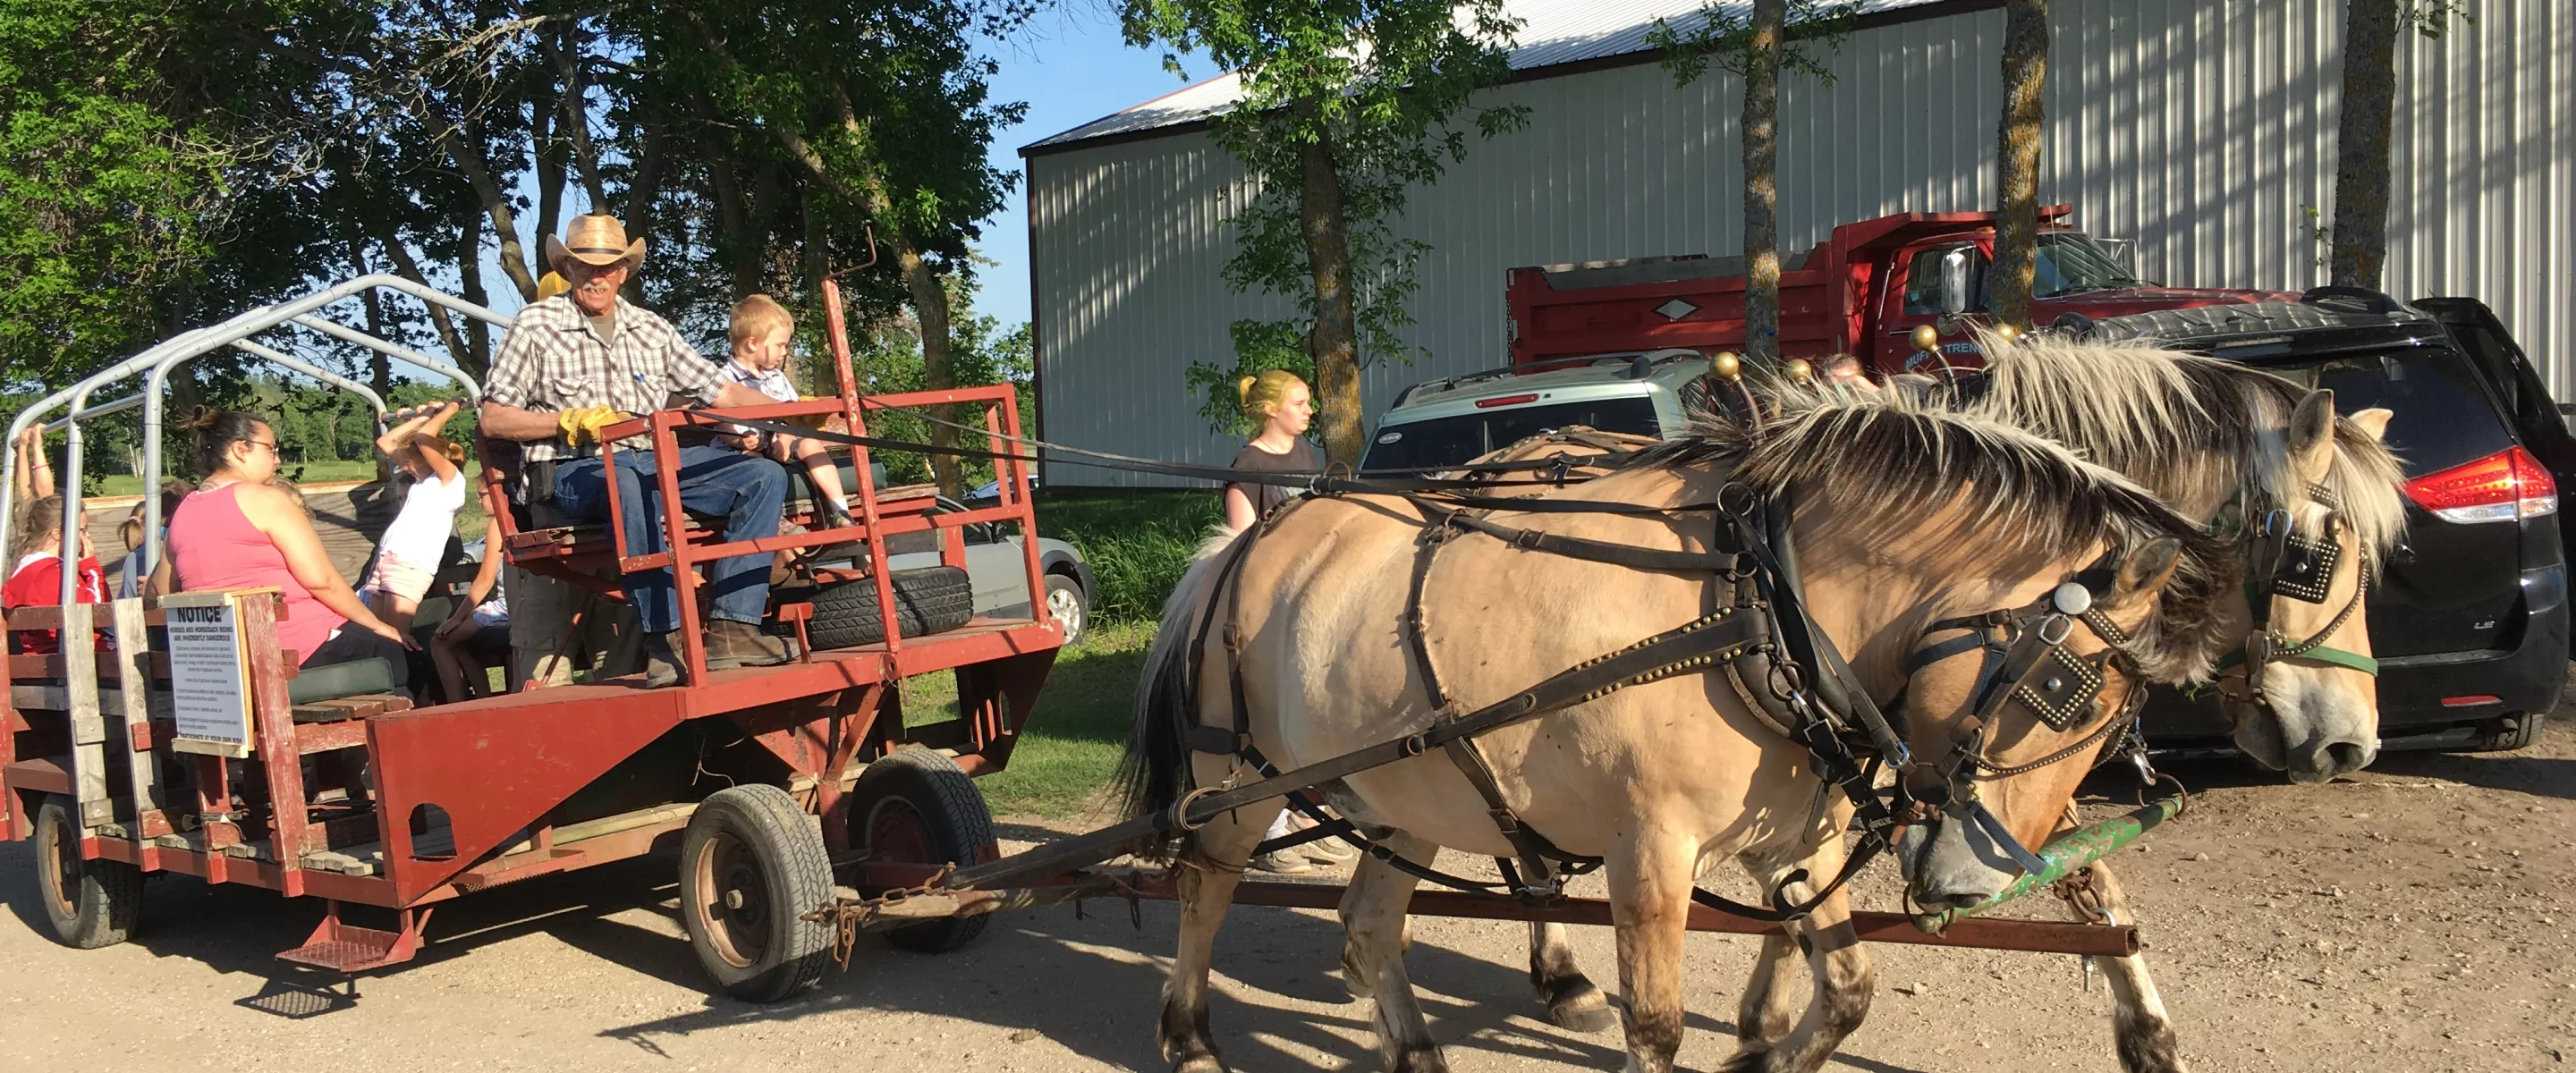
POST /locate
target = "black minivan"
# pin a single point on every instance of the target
(2470, 618)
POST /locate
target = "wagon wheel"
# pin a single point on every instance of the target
(90, 903)
(917, 807)
(751, 866)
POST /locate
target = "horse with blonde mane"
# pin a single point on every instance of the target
(1904, 519)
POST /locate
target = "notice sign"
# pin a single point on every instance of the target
(208, 679)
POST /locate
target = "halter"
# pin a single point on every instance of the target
(2028, 663)
(2280, 563)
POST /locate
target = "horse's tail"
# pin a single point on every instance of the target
(1156, 770)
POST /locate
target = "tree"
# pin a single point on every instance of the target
(2370, 28)
(1756, 48)
(1346, 105)
(2025, 71)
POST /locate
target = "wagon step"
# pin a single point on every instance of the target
(346, 948)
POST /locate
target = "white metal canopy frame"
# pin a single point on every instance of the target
(154, 365)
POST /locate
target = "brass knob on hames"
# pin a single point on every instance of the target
(2007, 333)
(1800, 371)
(1726, 366)
(1926, 338)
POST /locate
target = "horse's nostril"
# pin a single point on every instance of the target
(2347, 757)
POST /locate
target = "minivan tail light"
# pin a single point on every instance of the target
(2502, 487)
(1504, 400)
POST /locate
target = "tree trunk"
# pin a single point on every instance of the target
(1761, 182)
(548, 159)
(477, 356)
(576, 111)
(1334, 340)
(2361, 144)
(930, 310)
(2017, 162)
(496, 206)
(409, 269)
(643, 188)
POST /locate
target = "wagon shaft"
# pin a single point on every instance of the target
(2032, 936)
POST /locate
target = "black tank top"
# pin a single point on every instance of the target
(1270, 497)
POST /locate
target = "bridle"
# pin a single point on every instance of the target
(2028, 664)
(2281, 563)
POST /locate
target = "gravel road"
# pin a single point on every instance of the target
(2419, 917)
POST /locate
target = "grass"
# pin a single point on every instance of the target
(1071, 747)
(1138, 545)
(127, 484)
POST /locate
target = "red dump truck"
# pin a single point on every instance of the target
(1863, 290)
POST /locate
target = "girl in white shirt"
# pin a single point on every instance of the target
(408, 555)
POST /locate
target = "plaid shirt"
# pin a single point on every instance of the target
(552, 361)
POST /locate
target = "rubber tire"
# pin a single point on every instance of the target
(1080, 620)
(2508, 732)
(952, 818)
(932, 599)
(105, 897)
(795, 872)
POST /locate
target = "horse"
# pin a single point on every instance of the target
(1904, 519)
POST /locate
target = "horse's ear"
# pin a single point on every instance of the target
(2312, 436)
(2373, 421)
(2146, 569)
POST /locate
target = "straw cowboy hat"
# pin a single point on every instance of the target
(594, 240)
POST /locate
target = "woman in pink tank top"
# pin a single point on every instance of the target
(237, 532)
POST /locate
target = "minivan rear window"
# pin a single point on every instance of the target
(2441, 415)
(1448, 441)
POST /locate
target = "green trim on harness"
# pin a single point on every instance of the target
(2319, 654)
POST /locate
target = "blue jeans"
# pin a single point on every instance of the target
(747, 490)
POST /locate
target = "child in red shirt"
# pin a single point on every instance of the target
(36, 575)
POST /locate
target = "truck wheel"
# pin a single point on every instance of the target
(916, 807)
(2508, 732)
(751, 866)
(932, 599)
(90, 903)
(1065, 604)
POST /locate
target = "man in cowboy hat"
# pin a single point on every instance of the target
(573, 362)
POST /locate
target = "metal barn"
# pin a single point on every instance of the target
(2203, 129)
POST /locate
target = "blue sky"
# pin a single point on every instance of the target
(1071, 67)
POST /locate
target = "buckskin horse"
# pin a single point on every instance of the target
(1348, 621)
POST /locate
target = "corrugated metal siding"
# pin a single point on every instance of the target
(2198, 128)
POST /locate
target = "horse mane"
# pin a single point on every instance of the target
(1878, 460)
(2173, 420)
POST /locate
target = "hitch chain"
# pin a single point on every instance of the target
(847, 917)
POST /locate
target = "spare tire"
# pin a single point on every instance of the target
(932, 599)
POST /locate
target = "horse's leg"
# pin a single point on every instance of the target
(1765, 1016)
(1211, 865)
(1572, 1002)
(1375, 937)
(2140, 1028)
(1843, 976)
(1650, 885)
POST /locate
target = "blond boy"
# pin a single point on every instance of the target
(760, 334)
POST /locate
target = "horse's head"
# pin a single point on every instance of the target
(2005, 714)
(2301, 691)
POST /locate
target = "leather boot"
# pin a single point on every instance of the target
(661, 660)
(741, 644)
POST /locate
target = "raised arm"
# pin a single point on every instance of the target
(34, 473)
(272, 513)
(432, 446)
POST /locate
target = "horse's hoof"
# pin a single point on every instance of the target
(1200, 1063)
(1746, 1062)
(1583, 1009)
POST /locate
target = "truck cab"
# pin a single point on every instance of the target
(1864, 291)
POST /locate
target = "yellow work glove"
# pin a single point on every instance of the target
(601, 417)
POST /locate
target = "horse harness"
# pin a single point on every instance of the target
(1762, 638)
(2282, 562)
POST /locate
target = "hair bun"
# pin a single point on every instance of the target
(201, 419)
(1243, 389)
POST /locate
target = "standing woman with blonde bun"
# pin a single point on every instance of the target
(1285, 408)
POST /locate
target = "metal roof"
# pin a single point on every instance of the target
(1553, 32)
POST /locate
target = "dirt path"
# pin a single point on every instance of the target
(2417, 918)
